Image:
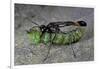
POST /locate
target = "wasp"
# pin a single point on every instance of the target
(52, 34)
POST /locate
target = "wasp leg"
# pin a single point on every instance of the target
(48, 49)
(47, 54)
(32, 21)
(73, 52)
(74, 55)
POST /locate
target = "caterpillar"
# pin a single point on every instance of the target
(60, 38)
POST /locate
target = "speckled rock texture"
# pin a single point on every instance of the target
(26, 53)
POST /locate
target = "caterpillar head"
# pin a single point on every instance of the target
(82, 23)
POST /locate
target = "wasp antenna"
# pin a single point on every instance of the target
(33, 22)
(27, 31)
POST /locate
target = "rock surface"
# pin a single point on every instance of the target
(27, 53)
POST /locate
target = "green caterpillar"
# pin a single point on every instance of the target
(55, 38)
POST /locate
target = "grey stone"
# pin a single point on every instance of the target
(27, 53)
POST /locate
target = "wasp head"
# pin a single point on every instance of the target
(42, 27)
(82, 23)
